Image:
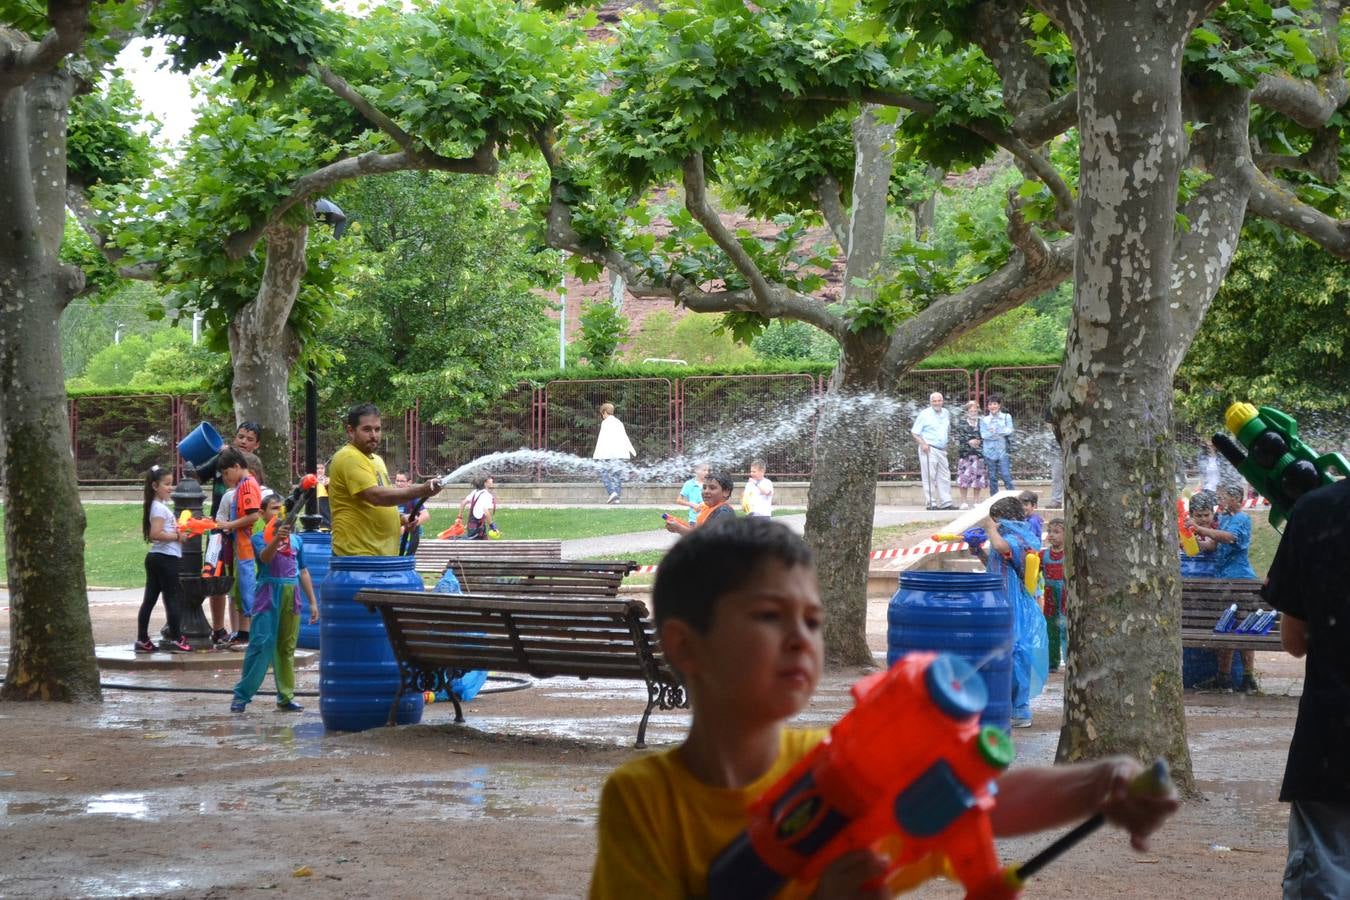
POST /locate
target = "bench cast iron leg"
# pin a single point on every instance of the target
(642, 728)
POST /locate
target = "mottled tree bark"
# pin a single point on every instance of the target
(843, 491)
(263, 347)
(1114, 399)
(51, 654)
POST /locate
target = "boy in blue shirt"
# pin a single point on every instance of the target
(739, 614)
(691, 495)
(1232, 535)
(1201, 565)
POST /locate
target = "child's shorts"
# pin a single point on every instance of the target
(970, 473)
(245, 584)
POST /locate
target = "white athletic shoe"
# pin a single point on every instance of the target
(613, 498)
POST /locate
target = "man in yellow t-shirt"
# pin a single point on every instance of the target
(361, 494)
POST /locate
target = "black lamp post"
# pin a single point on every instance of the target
(188, 495)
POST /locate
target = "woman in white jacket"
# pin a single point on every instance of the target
(612, 444)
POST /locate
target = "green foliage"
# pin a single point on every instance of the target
(697, 338)
(103, 145)
(603, 329)
(1278, 332)
(275, 38)
(443, 307)
(788, 340)
(144, 361)
(688, 79)
(457, 72)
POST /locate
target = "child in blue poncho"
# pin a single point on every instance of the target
(1011, 542)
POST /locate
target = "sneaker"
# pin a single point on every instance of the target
(145, 646)
(237, 707)
(965, 506)
(290, 706)
(220, 636)
(613, 498)
(236, 647)
(1249, 685)
(1217, 683)
(179, 646)
(946, 506)
(239, 639)
(1021, 723)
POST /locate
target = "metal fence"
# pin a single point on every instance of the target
(115, 439)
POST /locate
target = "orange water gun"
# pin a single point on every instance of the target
(291, 508)
(195, 526)
(1188, 539)
(907, 772)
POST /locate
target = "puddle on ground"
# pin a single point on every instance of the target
(568, 793)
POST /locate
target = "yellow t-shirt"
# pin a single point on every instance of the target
(359, 528)
(660, 827)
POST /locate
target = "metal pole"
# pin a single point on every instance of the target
(562, 316)
(312, 520)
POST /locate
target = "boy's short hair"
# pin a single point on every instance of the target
(254, 465)
(1233, 490)
(607, 408)
(272, 497)
(1028, 497)
(759, 464)
(478, 482)
(1203, 500)
(230, 457)
(1008, 508)
(723, 479)
(1055, 521)
(710, 562)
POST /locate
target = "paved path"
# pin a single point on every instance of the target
(660, 539)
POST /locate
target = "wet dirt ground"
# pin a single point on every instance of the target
(170, 794)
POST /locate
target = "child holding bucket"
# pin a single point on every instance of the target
(161, 563)
(275, 609)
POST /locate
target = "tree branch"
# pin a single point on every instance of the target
(1204, 250)
(79, 204)
(829, 199)
(69, 20)
(1307, 103)
(1037, 125)
(482, 162)
(701, 208)
(1322, 160)
(1034, 268)
(1035, 163)
(338, 85)
(1270, 200)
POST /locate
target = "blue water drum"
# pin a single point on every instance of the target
(961, 613)
(318, 549)
(358, 676)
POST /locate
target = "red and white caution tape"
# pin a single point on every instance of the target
(920, 549)
(1255, 501)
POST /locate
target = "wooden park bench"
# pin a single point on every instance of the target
(434, 554)
(437, 637)
(1204, 600)
(530, 578)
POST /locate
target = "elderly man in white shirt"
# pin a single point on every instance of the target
(931, 429)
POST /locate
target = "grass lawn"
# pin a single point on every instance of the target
(114, 552)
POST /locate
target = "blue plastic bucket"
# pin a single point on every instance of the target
(318, 549)
(961, 613)
(202, 443)
(358, 676)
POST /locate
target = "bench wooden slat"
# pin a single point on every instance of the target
(433, 553)
(1204, 600)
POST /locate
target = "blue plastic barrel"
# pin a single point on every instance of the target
(202, 443)
(1201, 664)
(358, 676)
(961, 613)
(318, 548)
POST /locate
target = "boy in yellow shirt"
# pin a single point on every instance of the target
(739, 615)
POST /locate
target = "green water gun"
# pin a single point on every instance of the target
(1270, 456)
